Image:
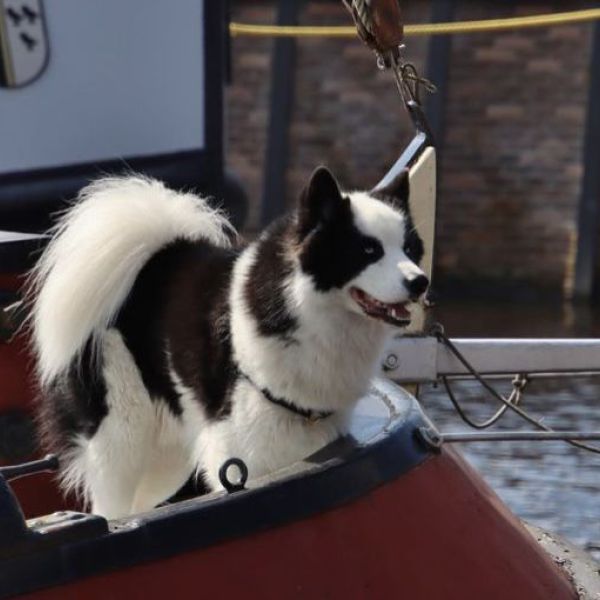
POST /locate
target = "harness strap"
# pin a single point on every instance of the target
(310, 415)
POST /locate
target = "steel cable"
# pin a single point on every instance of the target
(438, 331)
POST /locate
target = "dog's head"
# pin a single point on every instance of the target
(362, 247)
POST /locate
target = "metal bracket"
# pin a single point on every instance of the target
(19, 536)
(430, 437)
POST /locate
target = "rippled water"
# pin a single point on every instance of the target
(550, 484)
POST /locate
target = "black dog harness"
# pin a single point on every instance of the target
(312, 416)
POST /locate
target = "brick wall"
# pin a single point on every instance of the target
(247, 103)
(512, 163)
(511, 166)
(346, 113)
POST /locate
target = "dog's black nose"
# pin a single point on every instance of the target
(416, 287)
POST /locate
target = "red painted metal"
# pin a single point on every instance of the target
(11, 281)
(38, 495)
(16, 391)
(438, 532)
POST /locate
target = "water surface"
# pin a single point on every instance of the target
(550, 484)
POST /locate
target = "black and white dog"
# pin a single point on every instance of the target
(163, 350)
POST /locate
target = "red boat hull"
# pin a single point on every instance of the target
(16, 392)
(17, 395)
(438, 532)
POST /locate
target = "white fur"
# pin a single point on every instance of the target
(384, 279)
(330, 367)
(140, 451)
(96, 253)
(336, 354)
(141, 454)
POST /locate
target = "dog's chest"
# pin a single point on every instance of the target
(266, 437)
(329, 366)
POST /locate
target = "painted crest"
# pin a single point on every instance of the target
(23, 42)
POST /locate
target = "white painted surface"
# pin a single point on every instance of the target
(15, 236)
(422, 209)
(124, 79)
(422, 203)
(424, 359)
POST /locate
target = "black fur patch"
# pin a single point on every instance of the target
(194, 486)
(333, 250)
(337, 251)
(264, 288)
(140, 325)
(413, 244)
(75, 403)
(318, 202)
(179, 304)
(396, 194)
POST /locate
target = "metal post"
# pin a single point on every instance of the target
(438, 62)
(588, 216)
(280, 111)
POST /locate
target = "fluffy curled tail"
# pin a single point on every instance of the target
(97, 250)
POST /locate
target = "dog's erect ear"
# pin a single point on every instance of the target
(319, 201)
(396, 192)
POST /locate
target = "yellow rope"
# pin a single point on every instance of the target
(578, 16)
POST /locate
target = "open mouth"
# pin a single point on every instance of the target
(394, 314)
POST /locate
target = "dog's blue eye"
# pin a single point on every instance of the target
(369, 249)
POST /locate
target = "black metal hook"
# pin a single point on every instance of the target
(228, 484)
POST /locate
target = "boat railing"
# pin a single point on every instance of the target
(426, 359)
